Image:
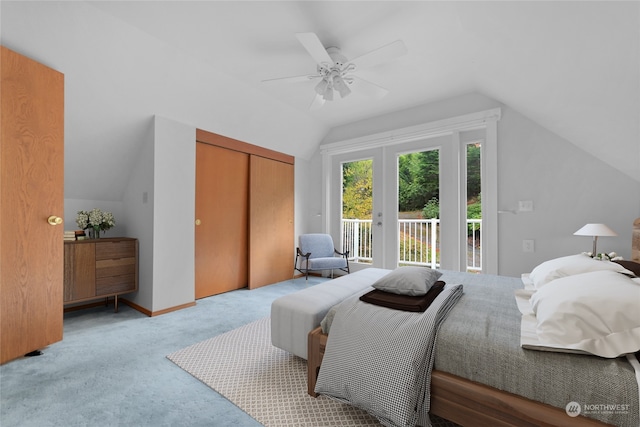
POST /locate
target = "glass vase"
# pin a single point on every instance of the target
(94, 233)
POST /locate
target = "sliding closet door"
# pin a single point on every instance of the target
(271, 207)
(221, 220)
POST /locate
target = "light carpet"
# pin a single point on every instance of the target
(267, 383)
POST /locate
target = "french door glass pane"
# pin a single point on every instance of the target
(474, 208)
(357, 207)
(419, 208)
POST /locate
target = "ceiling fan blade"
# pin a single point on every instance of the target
(380, 55)
(366, 88)
(317, 103)
(312, 44)
(293, 79)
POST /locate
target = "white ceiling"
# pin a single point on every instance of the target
(573, 67)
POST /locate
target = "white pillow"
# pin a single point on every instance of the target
(570, 265)
(597, 312)
(413, 281)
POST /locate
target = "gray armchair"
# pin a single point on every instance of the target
(316, 252)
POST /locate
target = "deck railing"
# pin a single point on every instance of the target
(419, 242)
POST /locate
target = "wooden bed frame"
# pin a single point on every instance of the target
(469, 403)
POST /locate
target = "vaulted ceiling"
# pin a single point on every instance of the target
(573, 67)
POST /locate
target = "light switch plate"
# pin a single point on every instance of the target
(528, 245)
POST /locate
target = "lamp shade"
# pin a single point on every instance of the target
(595, 230)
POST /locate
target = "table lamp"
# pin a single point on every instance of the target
(595, 230)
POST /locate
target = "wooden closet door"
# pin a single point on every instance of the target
(271, 210)
(31, 190)
(221, 212)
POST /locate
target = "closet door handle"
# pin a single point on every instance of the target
(198, 222)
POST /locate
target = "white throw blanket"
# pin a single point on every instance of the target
(380, 360)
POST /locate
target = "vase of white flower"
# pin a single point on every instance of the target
(95, 221)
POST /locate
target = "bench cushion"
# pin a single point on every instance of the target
(293, 316)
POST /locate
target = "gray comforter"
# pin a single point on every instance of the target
(480, 341)
(380, 359)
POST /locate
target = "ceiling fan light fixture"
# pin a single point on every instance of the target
(341, 86)
(328, 94)
(322, 87)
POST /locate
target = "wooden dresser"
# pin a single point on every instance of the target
(100, 268)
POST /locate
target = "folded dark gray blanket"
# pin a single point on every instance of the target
(404, 302)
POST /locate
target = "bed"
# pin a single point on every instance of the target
(465, 392)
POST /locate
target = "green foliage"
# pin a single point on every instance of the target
(474, 210)
(418, 179)
(431, 209)
(473, 171)
(357, 189)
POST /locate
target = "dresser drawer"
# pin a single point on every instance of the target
(115, 267)
(118, 249)
(115, 284)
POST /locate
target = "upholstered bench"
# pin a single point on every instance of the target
(293, 316)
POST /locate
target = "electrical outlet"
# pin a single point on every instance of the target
(525, 205)
(528, 245)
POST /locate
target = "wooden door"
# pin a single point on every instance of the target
(31, 189)
(271, 210)
(221, 220)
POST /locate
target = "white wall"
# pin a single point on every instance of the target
(308, 202)
(568, 187)
(173, 214)
(159, 210)
(138, 216)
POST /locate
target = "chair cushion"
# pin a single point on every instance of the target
(320, 245)
(326, 263)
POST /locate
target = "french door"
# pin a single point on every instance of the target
(370, 216)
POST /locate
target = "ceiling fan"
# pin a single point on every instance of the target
(335, 71)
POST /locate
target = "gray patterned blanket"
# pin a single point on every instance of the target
(380, 359)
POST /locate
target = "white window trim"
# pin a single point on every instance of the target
(486, 119)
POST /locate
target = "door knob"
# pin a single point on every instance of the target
(54, 220)
(198, 222)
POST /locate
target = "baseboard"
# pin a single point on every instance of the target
(155, 313)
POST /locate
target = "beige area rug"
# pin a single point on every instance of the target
(267, 383)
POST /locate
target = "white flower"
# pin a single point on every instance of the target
(95, 219)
